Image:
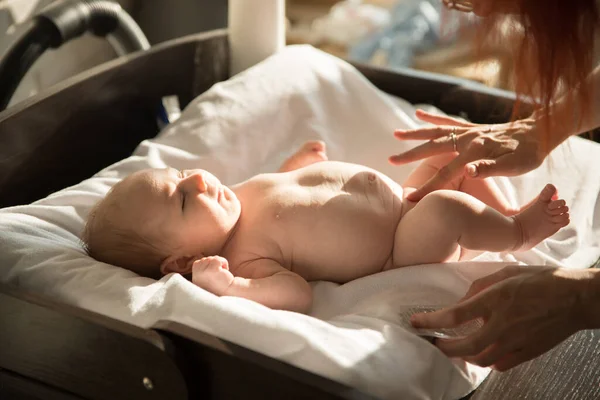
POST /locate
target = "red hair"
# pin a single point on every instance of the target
(551, 43)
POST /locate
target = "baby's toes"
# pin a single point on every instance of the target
(556, 204)
(558, 210)
(560, 215)
(548, 192)
(561, 220)
(314, 146)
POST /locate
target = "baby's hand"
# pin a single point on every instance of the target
(212, 274)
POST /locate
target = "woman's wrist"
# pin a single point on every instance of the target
(535, 129)
(549, 132)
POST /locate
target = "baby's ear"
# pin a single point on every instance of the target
(179, 264)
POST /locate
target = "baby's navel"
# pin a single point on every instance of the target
(372, 177)
(277, 216)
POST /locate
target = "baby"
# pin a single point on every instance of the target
(264, 238)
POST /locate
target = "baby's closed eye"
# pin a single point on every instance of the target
(181, 175)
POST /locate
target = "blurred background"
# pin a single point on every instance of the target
(419, 34)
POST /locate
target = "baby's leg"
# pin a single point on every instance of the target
(311, 152)
(488, 192)
(443, 221)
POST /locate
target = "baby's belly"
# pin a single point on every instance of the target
(341, 235)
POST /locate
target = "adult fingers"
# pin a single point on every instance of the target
(517, 357)
(508, 343)
(513, 359)
(509, 164)
(428, 149)
(441, 119)
(483, 283)
(521, 338)
(427, 133)
(473, 344)
(538, 344)
(452, 316)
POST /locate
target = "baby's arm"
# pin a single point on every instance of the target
(263, 281)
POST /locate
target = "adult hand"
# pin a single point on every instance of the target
(483, 150)
(526, 310)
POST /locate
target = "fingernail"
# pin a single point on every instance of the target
(415, 320)
(472, 170)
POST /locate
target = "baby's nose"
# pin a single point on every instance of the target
(196, 182)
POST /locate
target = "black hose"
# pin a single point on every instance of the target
(60, 22)
(21, 56)
(109, 19)
(72, 18)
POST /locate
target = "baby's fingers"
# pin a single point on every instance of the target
(216, 262)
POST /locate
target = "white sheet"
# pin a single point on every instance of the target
(249, 125)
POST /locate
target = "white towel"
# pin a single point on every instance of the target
(249, 125)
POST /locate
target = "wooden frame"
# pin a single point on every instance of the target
(52, 350)
(71, 131)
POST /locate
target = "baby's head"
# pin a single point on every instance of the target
(156, 221)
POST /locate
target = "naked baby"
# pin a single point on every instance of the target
(264, 238)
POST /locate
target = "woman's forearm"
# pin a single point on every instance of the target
(570, 116)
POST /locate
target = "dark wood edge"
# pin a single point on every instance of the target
(192, 351)
(146, 335)
(83, 353)
(455, 96)
(99, 117)
(107, 66)
(444, 82)
(16, 387)
(299, 378)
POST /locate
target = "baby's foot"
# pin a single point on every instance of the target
(542, 218)
(311, 152)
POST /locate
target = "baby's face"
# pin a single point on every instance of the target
(190, 209)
